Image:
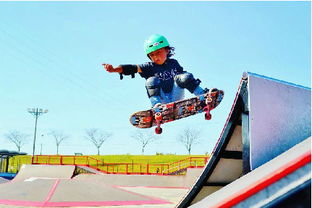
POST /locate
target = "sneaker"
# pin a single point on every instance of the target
(206, 90)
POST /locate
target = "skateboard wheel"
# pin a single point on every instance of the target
(158, 116)
(208, 116)
(158, 130)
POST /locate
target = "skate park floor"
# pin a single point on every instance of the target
(54, 186)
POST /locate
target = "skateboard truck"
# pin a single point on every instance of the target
(158, 119)
(210, 102)
(207, 110)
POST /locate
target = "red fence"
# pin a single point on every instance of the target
(123, 168)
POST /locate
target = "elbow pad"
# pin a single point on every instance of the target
(128, 69)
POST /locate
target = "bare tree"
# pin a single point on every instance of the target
(188, 138)
(144, 137)
(97, 137)
(59, 138)
(18, 138)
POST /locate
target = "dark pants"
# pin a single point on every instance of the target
(185, 81)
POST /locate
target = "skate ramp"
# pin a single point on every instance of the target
(170, 181)
(269, 183)
(70, 192)
(30, 172)
(267, 118)
(279, 117)
(80, 193)
(53, 186)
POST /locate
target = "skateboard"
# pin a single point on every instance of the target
(169, 112)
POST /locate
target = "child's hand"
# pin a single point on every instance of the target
(110, 68)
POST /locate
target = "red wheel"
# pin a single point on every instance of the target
(208, 116)
(158, 130)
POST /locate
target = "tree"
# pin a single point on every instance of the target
(18, 138)
(97, 137)
(59, 138)
(188, 138)
(144, 138)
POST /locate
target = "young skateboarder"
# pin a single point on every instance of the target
(165, 77)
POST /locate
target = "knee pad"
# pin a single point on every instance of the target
(187, 80)
(152, 86)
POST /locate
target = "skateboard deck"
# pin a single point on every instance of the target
(169, 112)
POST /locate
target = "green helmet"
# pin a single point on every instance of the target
(155, 42)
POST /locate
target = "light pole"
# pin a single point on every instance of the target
(35, 112)
(41, 144)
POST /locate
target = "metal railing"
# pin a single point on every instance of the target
(122, 168)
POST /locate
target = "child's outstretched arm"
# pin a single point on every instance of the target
(123, 69)
(109, 68)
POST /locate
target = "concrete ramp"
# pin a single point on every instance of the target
(267, 185)
(54, 186)
(267, 118)
(29, 172)
(279, 117)
(70, 192)
(169, 181)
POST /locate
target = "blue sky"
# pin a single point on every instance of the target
(51, 55)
